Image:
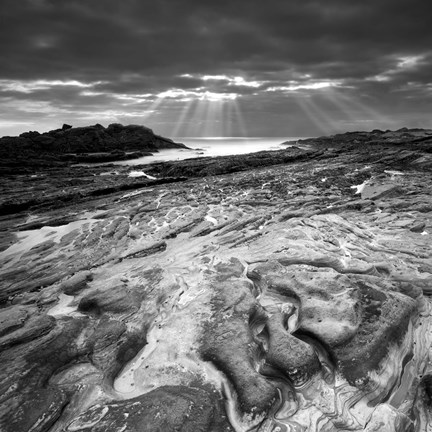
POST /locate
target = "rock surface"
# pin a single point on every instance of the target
(278, 291)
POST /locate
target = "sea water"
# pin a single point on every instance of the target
(203, 147)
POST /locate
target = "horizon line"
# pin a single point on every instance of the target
(239, 137)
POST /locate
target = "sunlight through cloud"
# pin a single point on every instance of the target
(294, 86)
(230, 80)
(186, 95)
(34, 85)
(409, 61)
(403, 64)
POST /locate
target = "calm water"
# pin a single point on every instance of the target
(202, 147)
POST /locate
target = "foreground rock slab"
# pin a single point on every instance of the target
(276, 292)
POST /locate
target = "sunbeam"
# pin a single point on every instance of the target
(376, 116)
(195, 113)
(212, 119)
(238, 119)
(316, 116)
(194, 127)
(183, 119)
(228, 119)
(153, 108)
(356, 113)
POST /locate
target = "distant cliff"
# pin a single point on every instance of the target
(81, 144)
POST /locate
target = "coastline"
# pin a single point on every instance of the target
(278, 280)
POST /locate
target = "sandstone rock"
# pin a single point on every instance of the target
(419, 227)
(384, 321)
(295, 358)
(38, 412)
(385, 419)
(76, 283)
(376, 191)
(167, 408)
(113, 299)
(13, 318)
(35, 327)
(357, 327)
(261, 293)
(228, 341)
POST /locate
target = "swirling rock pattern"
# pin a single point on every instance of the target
(284, 291)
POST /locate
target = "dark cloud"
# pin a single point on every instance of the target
(136, 48)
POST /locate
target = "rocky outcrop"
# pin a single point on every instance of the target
(182, 409)
(228, 342)
(81, 144)
(277, 291)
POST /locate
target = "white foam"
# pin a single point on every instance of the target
(140, 174)
(359, 188)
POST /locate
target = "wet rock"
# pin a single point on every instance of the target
(26, 400)
(144, 250)
(228, 341)
(355, 321)
(35, 327)
(76, 283)
(296, 359)
(384, 321)
(373, 191)
(427, 385)
(328, 302)
(181, 409)
(36, 413)
(116, 299)
(387, 419)
(269, 286)
(419, 227)
(76, 376)
(12, 318)
(113, 345)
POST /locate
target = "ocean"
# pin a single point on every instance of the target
(202, 147)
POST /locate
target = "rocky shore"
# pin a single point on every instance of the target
(61, 147)
(276, 291)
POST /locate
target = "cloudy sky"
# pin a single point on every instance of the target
(216, 67)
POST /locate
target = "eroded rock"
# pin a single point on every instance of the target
(228, 341)
(167, 408)
(261, 293)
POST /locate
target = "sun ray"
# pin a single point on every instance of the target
(350, 103)
(239, 119)
(194, 127)
(210, 119)
(227, 119)
(320, 120)
(179, 125)
(153, 108)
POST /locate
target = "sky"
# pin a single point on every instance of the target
(276, 68)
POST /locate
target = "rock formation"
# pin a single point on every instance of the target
(278, 291)
(81, 144)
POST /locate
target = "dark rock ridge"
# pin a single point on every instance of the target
(81, 144)
(276, 291)
(415, 139)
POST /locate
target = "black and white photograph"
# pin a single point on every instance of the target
(215, 216)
